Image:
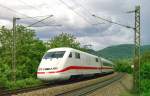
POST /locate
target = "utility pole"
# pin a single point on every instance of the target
(14, 49)
(136, 70)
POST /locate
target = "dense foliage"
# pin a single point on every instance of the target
(64, 40)
(123, 65)
(145, 74)
(29, 51)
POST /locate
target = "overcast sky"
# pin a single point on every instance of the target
(75, 17)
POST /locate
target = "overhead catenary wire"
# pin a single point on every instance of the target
(20, 13)
(31, 6)
(82, 7)
(69, 7)
(88, 11)
(40, 21)
(37, 9)
(13, 10)
(35, 17)
(85, 19)
(80, 15)
(113, 22)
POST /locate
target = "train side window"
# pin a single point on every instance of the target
(107, 64)
(70, 55)
(77, 55)
(96, 59)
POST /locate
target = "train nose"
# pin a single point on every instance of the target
(47, 76)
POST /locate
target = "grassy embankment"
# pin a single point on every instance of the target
(124, 66)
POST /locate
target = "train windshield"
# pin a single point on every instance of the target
(57, 54)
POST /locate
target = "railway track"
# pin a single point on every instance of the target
(83, 91)
(6, 92)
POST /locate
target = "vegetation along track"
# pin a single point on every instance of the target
(91, 88)
(7, 92)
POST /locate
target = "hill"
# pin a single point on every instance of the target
(120, 51)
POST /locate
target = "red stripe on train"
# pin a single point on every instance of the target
(40, 72)
(76, 67)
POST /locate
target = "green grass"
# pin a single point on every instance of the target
(145, 94)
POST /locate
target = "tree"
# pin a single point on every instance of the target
(64, 40)
(29, 51)
(123, 65)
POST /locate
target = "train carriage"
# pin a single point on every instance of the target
(65, 63)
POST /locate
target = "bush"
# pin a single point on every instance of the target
(3, 81)
(146, 94)
(123, 66)
(145, 85)
(145, 74)
(28, 82)
(145, 70)
(145, 66)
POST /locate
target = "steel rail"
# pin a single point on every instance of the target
(83, 91)
(8, 92)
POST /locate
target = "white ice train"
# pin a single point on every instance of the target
(65, 63)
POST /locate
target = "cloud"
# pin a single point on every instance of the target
(5, 22)
(76, 18)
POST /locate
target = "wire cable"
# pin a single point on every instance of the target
(69, 7)
(113, 22)
(35, 17)
(37, 9)
(40, 21)
(88, 11)
(20, 13)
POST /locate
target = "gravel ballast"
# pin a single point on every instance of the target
(52, 91)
